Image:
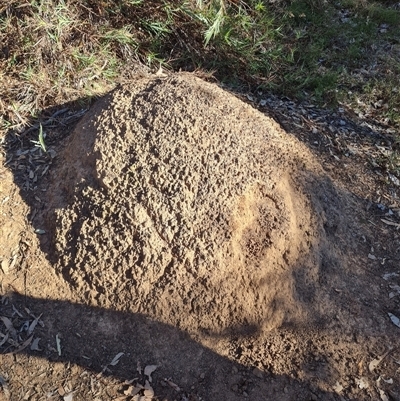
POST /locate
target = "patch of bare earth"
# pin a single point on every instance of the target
(184, 231)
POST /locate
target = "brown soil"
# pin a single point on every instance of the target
(186, 229)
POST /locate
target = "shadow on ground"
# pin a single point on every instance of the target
(91, 337)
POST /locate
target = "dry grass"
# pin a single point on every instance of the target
(53, 52)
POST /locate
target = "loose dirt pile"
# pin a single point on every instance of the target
(177, 200)
(172, 209)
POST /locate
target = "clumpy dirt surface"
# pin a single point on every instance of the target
(170, 200)
(180, 245)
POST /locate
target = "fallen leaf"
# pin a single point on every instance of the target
(388, 276)
(395, 320)
(25, 326)
(35, 344)
(33, 324)
(129, 382)
(373, 364)
(173, 385)
(69, 396)
(17, 311)
(116, 359)
(58, 343)
(148, 391)
(4, 340)
(384, 397)
(148, 370)
(23, 345)
(390, 223)
(388, 381)
(133, 390)
(9, 326)
(396, 291)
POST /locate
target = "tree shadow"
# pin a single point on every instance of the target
(90, 337)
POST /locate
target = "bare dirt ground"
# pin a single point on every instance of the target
(180, 244)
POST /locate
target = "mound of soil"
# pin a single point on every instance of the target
(176, 199)
(182, 229)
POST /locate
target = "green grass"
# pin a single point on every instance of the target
(59, 51)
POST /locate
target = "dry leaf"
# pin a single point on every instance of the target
(396, 291)
(384, 397)
(4, 340)
(17, 311)
(173, 385)
(148, 392)
(9, 326)
(390, 223)
(131, 381)
(116, 359)
(148, 370)
(395, 320)
(58, 342)
(373, 364)
(388, 276)
(133, 390)
(23, 345)
(35, 345)
(69, 396)
(33, 324)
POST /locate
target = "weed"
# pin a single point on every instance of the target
(40, 142)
